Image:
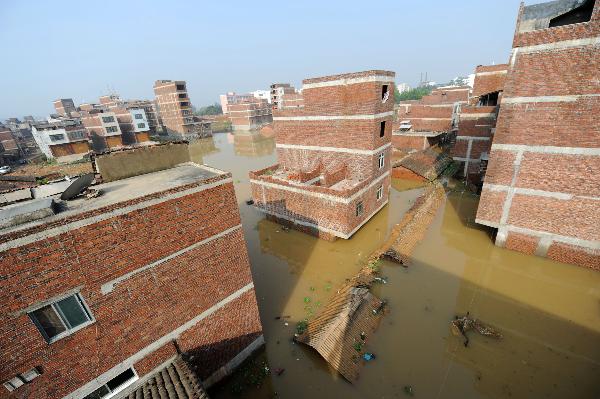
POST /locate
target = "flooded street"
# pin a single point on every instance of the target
(548, 313)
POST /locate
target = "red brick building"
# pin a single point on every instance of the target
(250, 114)
(103, 129)
(334, 164)
(542, 191)
(477, 122)
(100, 297)
(175, 109)
(64, 106)
(421, 124)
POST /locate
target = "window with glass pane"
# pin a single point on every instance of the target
(57, 319)
(117, 384)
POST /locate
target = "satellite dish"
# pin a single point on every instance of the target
(77, 187)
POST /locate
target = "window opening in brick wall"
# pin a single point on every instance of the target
(379, 194)
(583, 13)
(359, 209)
(115, 385)
(385, 93)
(381, 160)
(61, 318)
(490, 99)
(382, 129)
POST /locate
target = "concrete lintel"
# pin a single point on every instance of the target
(562, 45)
(349, 81)
(333, 149)
(595, 151)
(547, 99)
(334, 117)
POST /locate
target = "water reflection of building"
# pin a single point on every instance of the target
(201, 147)
(253, 144)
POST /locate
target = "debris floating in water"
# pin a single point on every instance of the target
(368, 356)
(460, 325)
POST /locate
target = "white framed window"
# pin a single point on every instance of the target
(141, 125)
(111, 129)
(108, 119)
(114, 385)
(379, 194)
(359, 208)
(62, 317)
(138, 116)
(381, 160)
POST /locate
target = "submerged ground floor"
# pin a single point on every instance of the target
(546, 311)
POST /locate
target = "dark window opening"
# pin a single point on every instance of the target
(382, 129)
(384, 90)
(490, 99)
(583, 13)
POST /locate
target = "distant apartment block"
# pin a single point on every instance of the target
(145, 290)
(250, 115)
(61, 141)
(232, 97)
(477, 122)
(541, 190)
(334, 164)
(104, 130)
(285, 95)
(421, 124)
(403, 87)
(64, 106)
(262, 95)
(175, 108)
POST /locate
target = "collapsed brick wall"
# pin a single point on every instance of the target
(140, 309)
(541, 189)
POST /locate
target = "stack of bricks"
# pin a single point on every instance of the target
(334, 155)
(477, 121)
(161, 265)
(541, 191)
(422, 124)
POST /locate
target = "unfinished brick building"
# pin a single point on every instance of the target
(541, 191)
(333, 173)
(103, 129)
(250, 114)
(175, 108)
(111, 294)
(477, 122)
(421, 124)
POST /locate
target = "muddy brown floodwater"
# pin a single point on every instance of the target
(548, 312)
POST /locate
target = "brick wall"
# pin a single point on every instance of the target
(338, 133)
(140, 309)
(541, 186)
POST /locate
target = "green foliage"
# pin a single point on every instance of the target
(413, 94)
(214, 109)
(301, 327)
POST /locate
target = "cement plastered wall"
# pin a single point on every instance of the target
(123, 164)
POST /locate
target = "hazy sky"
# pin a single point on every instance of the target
(81, 49)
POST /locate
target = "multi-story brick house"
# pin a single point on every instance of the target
(477, 122)
(175, 108)
(64, 106)
(421, 124)
(103, 129)
(133, 124)
(541, 190)
(250, 114)
(60, 140)
(333, 173)
(284, 94)
(107, 296)
(232, 97)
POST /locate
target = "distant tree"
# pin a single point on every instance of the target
(413, 94)
(214, 109)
